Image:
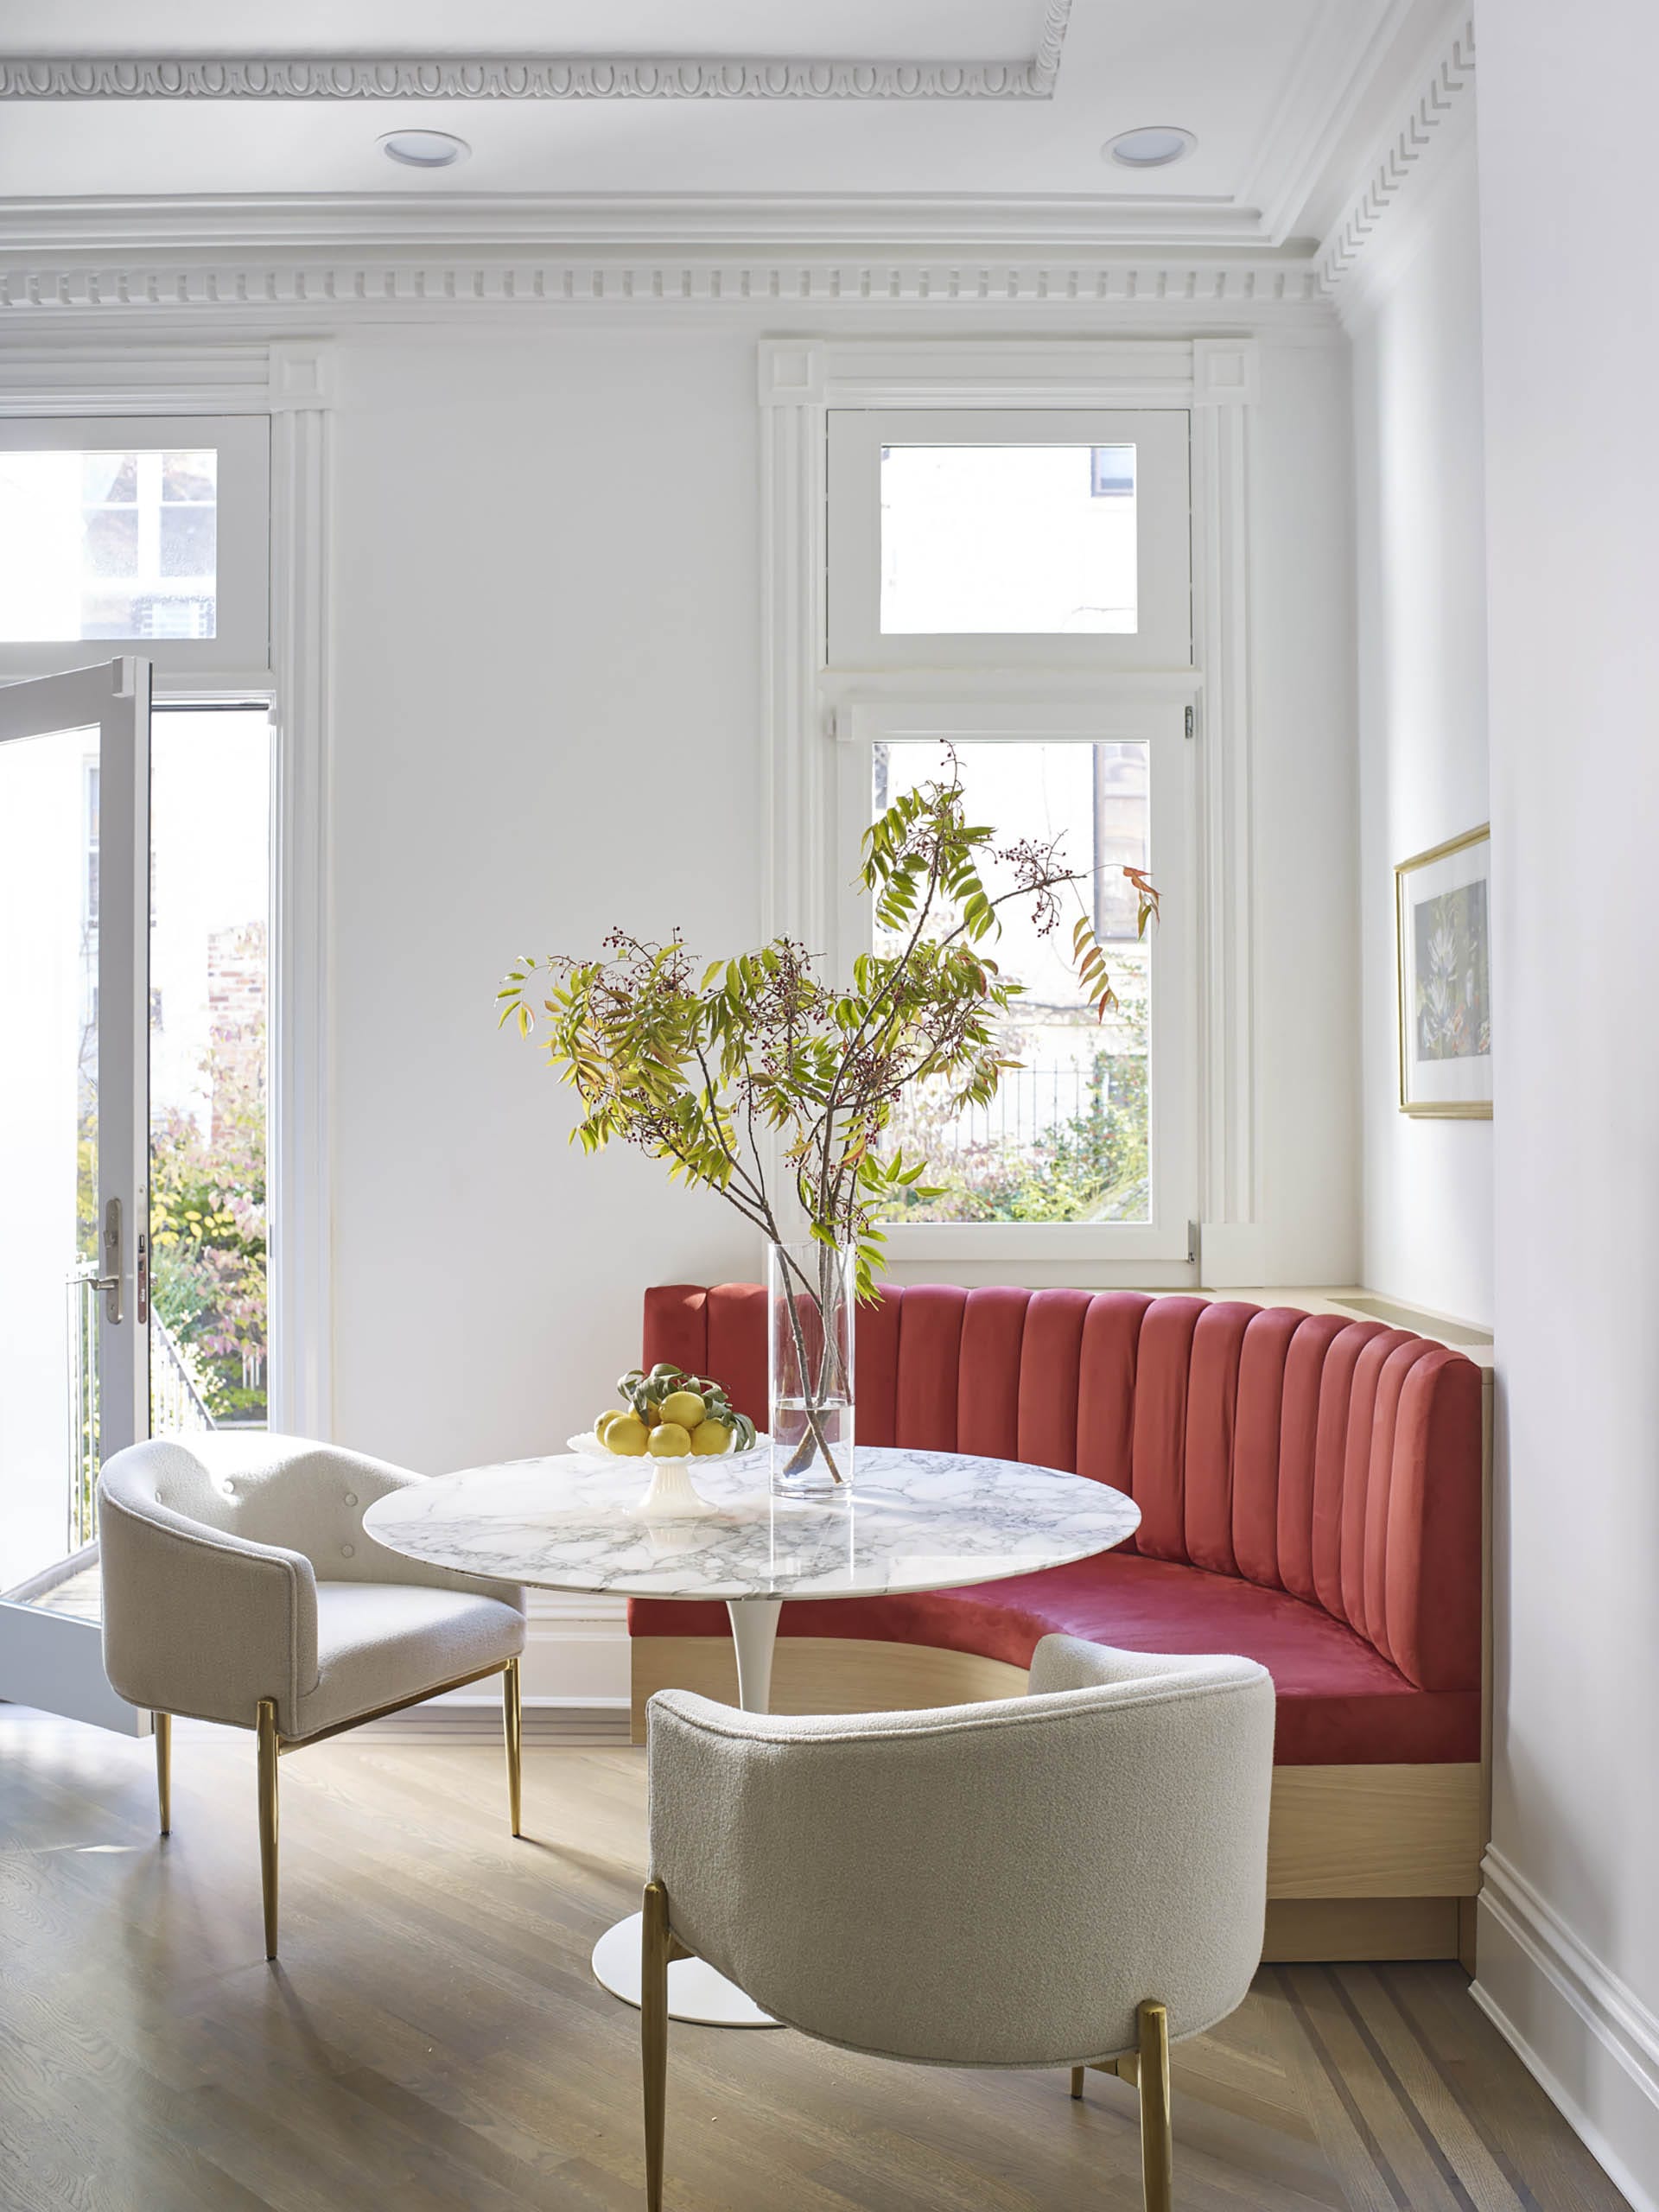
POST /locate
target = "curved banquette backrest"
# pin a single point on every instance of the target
(1337, 1460)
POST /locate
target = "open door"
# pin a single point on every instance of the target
(74, 1284)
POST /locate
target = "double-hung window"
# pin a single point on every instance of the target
(1009, 598)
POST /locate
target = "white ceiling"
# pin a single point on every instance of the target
(1280, 92)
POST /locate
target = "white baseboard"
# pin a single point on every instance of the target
(575, 1652)
(1590, 2040)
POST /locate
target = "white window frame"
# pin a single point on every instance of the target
(284, 390)
(1160, 728)
(241, 642)
(821, 717)
(1163, 634)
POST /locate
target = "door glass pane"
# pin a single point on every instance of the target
(1066, 1138)
(1008, 538)
(49, 1141)
(210, 830)
(118, 544)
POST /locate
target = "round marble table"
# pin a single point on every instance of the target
(911, 1520)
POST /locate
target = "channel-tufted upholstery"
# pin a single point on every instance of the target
(1310, 1490)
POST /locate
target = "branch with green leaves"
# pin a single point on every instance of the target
(761, 1053)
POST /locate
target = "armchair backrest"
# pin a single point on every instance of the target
(1340, 1461)
(259, 1489)
(997, 1884)
(212, 1547)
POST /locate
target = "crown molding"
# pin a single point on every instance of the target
(1349, 44)
(1435, 116)
(1033, 224)
(386, 255)
(532, 77)
(278, 288)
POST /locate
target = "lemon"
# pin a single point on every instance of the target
(709, 1438)
(627, 1435)
(612, 1413)
(668, 1442)
(684, 1407)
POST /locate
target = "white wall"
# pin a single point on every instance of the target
(546, 723)
(1569, 1939)
(547, 719)
(1304, 792)
(1421, 565)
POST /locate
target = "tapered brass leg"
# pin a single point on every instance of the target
(1076, 2081)
(267, 1818)
(1157, 2144)
(654, 2035)
(164, 1769)
(514, 1719)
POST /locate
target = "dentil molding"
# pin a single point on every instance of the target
(392, 288)
(387, 259)
(557, 77)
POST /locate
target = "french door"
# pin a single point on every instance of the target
(74, 1284)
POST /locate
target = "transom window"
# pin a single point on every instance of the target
(1018, 539)
(147, 533)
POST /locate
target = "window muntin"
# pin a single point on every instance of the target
(151, 533)
(1008, 538)
(1068, 1137)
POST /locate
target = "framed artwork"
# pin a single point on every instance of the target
(1443, 940)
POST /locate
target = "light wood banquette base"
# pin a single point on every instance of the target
(1363, 1862)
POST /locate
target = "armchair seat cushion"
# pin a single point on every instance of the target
(1340, 1703)
(381, 1642)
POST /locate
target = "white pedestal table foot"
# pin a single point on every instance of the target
(696, 1992)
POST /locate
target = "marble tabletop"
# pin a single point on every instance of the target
(911, 1520)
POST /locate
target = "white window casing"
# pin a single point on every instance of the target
(264, 406)
(1179, 682)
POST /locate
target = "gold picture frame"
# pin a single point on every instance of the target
(1442, 966)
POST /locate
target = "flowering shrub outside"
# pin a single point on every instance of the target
(207, 1235)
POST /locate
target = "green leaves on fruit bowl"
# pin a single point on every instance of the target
(646, 1395)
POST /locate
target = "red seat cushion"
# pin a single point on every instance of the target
(1340, 1703)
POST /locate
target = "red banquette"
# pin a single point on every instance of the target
(1311, 1492)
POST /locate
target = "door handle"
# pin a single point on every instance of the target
(110, 1284)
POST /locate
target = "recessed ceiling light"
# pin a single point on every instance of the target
(1152, 147)
(424, 150)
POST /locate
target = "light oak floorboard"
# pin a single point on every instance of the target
(433, 2040)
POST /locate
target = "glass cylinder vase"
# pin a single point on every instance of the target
(810, 1292)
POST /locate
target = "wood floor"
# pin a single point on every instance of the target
(432, 2040)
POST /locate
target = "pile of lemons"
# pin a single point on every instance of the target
(681, 1425)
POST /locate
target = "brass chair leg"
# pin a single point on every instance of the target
(268, 1751)
(654, 1953)
(1157, 2144)
(1076, 2081)
(164, 1769)
(512, 1719)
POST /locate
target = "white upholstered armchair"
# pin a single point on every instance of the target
(239, 1586)
(1073, 1877)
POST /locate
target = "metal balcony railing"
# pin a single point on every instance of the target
(176, 1404)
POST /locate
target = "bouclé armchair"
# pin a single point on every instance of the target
(1074, 1878)
(239, 1586)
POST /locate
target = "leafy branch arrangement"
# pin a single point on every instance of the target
(700, 1072)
